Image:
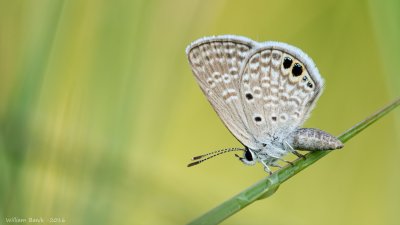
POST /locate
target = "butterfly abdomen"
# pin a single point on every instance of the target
(312, 139)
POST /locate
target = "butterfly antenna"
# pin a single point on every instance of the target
(202, 158)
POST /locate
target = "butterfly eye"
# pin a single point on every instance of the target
(248, 155)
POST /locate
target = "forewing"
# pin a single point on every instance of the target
(216, 63)
(279, 87)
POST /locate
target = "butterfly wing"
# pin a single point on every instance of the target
(216, 63)
(279, 87)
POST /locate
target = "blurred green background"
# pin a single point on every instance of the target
(100, 113)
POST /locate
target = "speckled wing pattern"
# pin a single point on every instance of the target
(279, 87)
(259, 90)
(216, 63)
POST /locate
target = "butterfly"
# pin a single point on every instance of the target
(263, 93)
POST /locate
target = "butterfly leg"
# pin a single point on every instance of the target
(275, 164)
(296, 153)
(286, 161)
(299, 155)
(266, 168)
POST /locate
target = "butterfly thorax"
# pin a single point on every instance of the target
(275, 147)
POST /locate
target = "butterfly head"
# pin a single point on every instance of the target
(249, 157)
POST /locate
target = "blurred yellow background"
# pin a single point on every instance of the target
(100, 113)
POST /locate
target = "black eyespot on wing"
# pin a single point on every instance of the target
(273, 118)
(249, 96)
(309, 84)
(248, 155)
(287, 62)
(297, 70)
(257, 119)
(305, 78)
